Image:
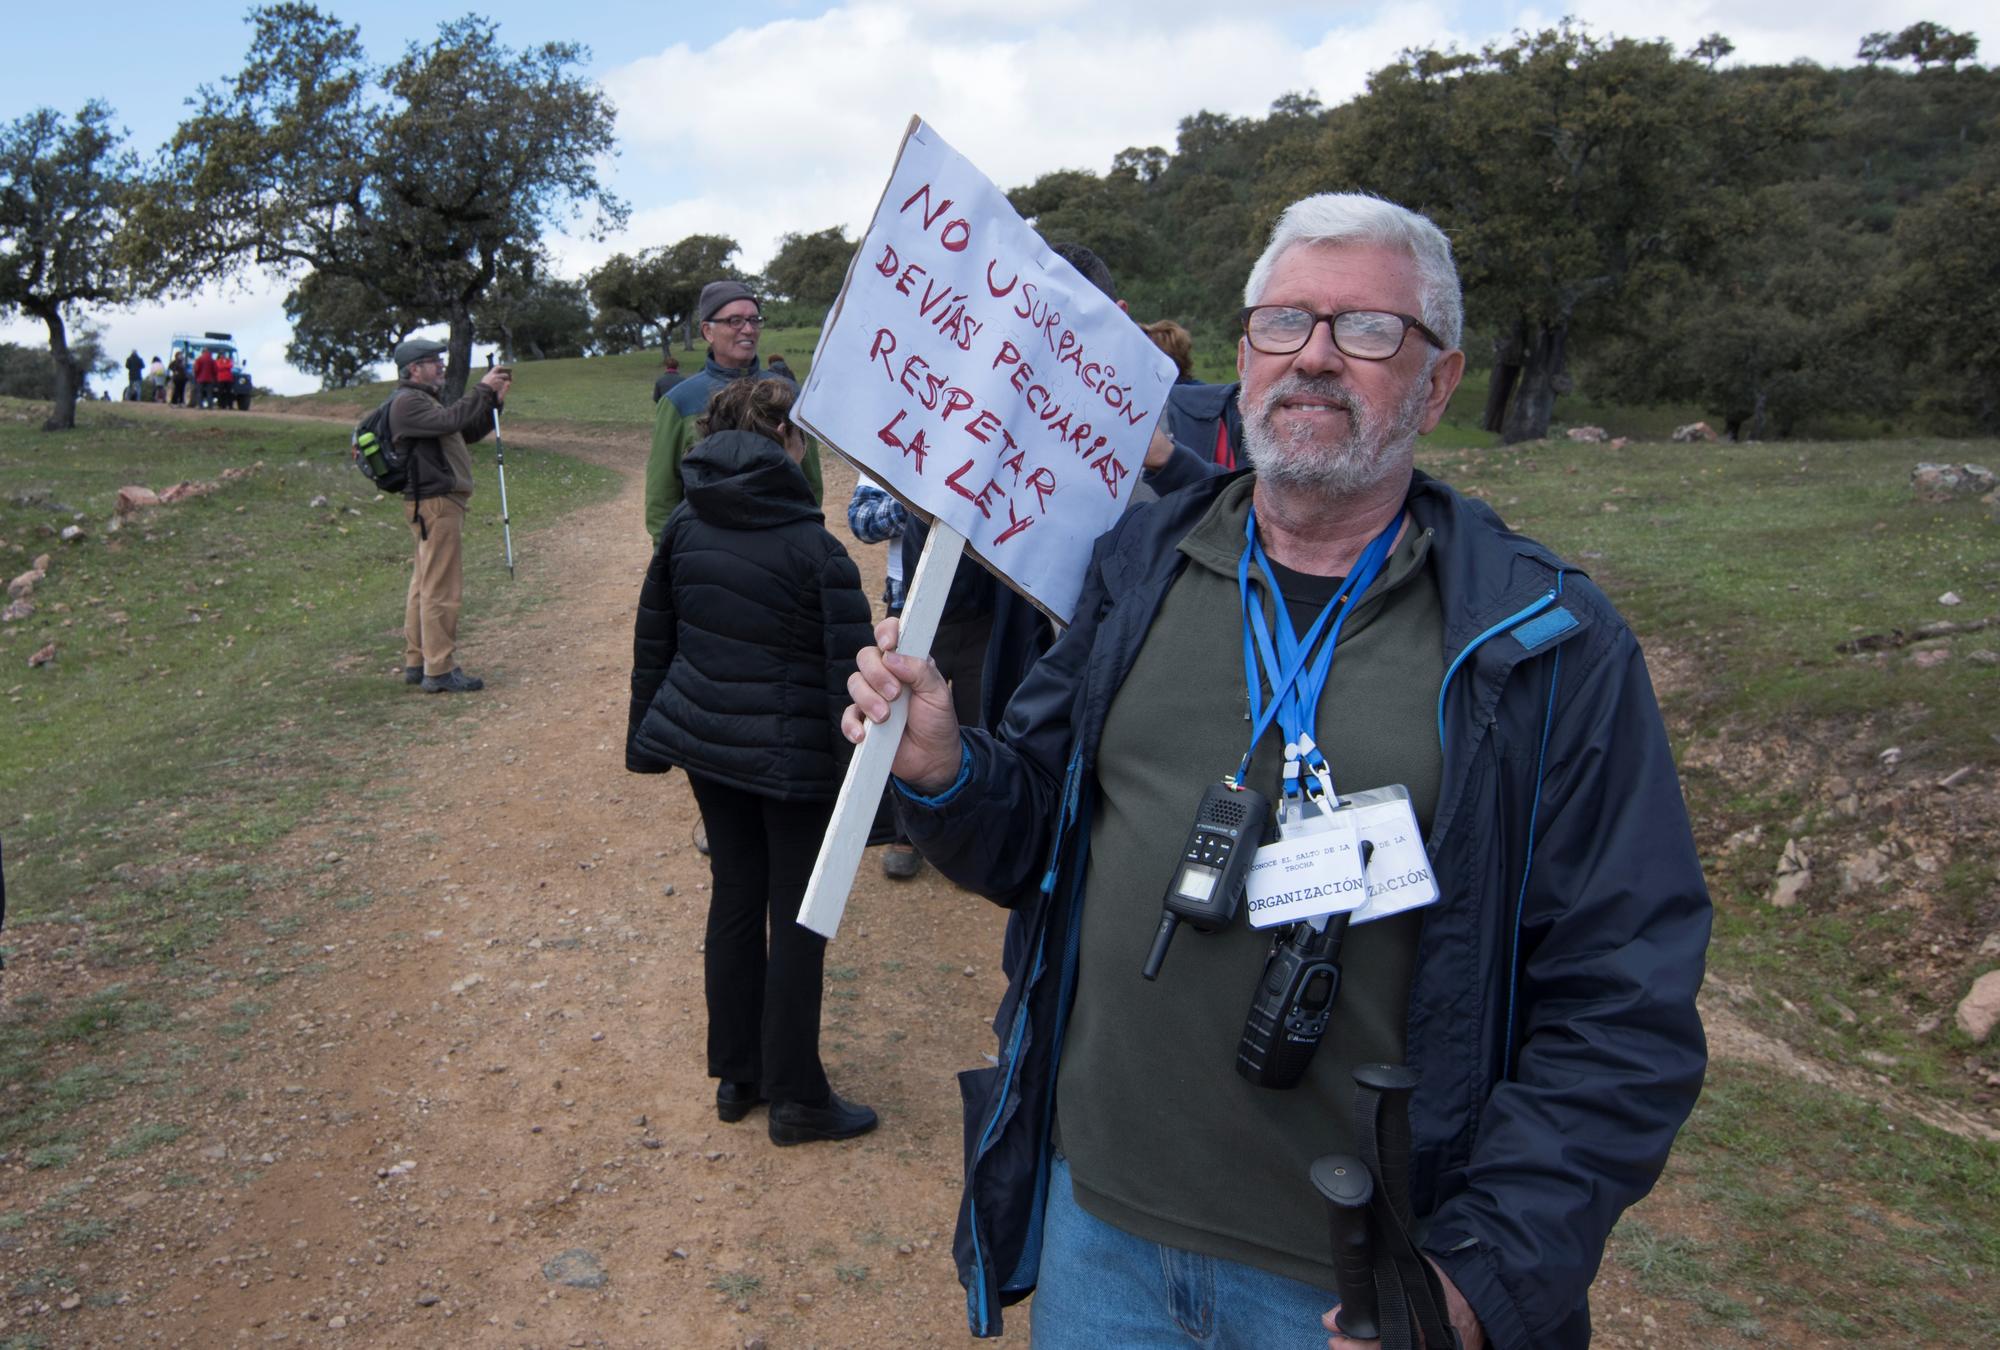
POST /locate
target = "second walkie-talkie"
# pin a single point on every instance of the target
(1208, 878)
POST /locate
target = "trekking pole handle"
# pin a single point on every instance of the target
(1343, 1182)
(1393, 1084)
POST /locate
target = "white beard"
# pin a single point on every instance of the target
(1376, 444)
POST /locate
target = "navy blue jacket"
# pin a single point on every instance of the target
(1204, 419)
(1552, 1013)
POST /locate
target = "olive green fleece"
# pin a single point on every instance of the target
(1165, 1139)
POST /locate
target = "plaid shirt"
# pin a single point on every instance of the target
(874, 515)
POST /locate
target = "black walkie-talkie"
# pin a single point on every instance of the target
(1208, 880)
(1289, 1010)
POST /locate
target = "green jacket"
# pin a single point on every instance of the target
(674, 432)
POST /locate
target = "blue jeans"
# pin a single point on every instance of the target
(1102, 1287)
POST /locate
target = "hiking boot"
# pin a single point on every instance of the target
(794, 1123)
(901, 861)
(413, 674)
(701, 837)
(458, 682)
(733, 1101)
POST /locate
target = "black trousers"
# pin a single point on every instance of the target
(763, 994)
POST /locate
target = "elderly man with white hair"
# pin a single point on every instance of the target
(1443, 737)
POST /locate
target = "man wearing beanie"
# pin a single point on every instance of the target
(731, 324)
(439, 489)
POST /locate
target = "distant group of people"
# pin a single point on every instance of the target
(219, 380)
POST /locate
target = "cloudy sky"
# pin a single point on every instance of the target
(791, 121)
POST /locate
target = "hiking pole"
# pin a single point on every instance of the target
(500, 461)
(1343, 1182)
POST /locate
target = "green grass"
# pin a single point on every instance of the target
(1753, 562)
(1854, 1222)
(221, 672)
(1762, 558)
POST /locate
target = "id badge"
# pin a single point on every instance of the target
(1398, 873)
(1312, 871)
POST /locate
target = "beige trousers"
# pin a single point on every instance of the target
(430, 614)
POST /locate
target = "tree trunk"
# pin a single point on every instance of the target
(460, 351)
(1506, 370)
(1757, 419)
(62, 417)
(1546, 358)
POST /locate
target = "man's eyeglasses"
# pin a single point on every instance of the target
(1364, 334)
(736, 323)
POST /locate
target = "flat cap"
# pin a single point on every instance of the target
(415, 349)
(719, 293)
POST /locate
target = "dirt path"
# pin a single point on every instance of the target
(497, 1082)
(483, 1119)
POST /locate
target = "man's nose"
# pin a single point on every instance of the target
(1319, 354)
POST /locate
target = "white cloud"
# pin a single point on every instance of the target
(825, 100)
(792, 124)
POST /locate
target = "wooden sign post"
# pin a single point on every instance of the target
(994, 391)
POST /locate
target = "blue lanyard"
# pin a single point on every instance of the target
(1296, 684)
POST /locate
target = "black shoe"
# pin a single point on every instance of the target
(458, 682)
(901, 862)
(413, 674)
(733, 1101)
(792, 1123)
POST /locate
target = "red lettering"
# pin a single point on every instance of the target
(1008, 353)
(887, 267)
(914, 367)
(1022, 374)
(978, 498)
(914, 449)
(903, 282)
(1013, 464)
(980, 425)
(1043, 481)
(931, 214)
(955, 400)
(1015, 524)
(1029, 396)
(1111, 471)
(885, 342)
(999, 291)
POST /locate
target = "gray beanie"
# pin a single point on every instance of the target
(719, 293)
(412, 350)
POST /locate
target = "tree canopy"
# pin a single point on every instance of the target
(65, 188)
(658, 290)
(811, 268)
(426, 179)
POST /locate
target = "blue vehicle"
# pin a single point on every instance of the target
(191, 345)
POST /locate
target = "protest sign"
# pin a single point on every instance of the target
(981, 379)
(985, 383)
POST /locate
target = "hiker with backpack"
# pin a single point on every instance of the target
(433, 436)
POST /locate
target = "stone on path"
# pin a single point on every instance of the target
(1794, 875)
(1979, 1010)
(576, 1268)
(133, 499)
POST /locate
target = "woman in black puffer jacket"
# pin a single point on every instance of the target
(748, 625)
